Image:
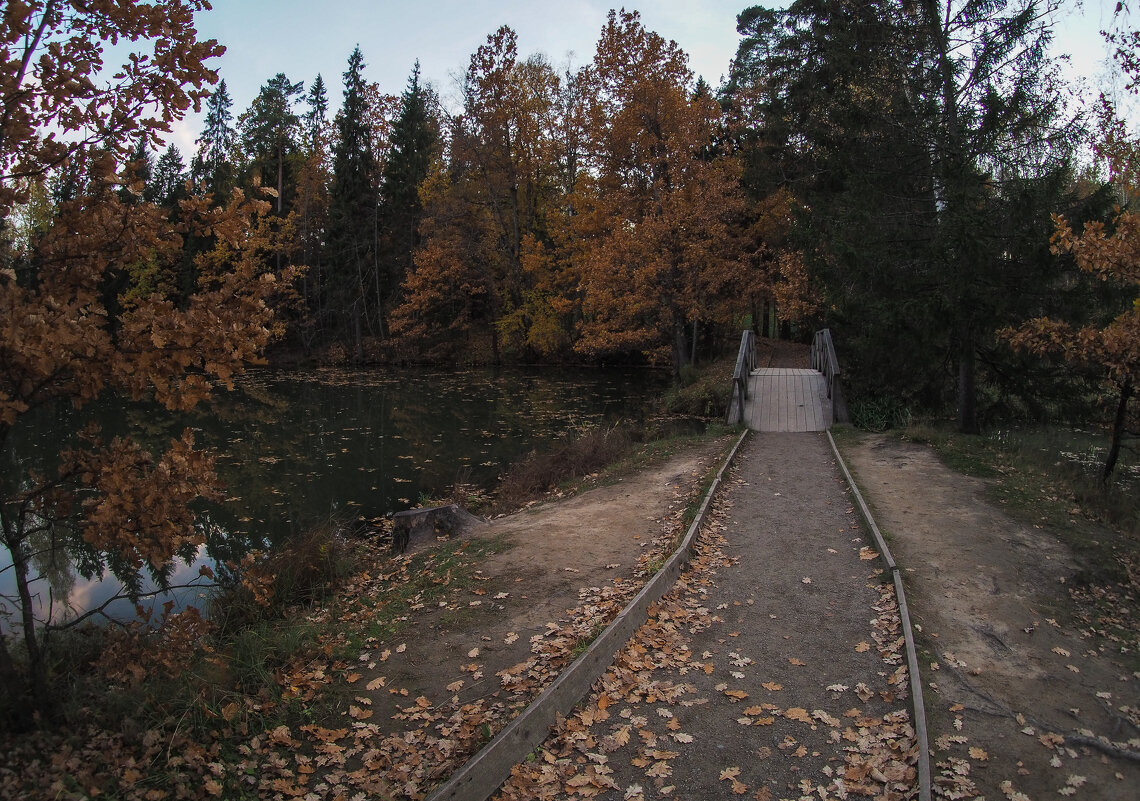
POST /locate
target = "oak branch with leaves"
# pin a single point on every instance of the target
(1115, 348)
(67, 339)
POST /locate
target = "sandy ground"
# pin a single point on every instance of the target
(1014, 694)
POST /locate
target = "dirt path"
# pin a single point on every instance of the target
(1017, 696)
(472, 654)
(772, 670)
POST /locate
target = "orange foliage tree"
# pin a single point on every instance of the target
(64, 340)
(490, 215)
(1111, 253)
(654, 210)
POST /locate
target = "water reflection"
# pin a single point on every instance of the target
(295, 449)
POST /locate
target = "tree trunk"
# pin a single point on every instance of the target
(36, 679)
(1117, 430)
(967, 386)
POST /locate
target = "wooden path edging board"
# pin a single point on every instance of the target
(487, 770)
(920, 731)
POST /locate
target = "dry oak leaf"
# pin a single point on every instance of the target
(978, 753)
(729, 773)
(867, 554)
(863, 647)
(798, 713)
(738, 694)
(771, 685)
(796, 662)
(376, 683)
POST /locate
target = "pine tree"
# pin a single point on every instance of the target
(270, 129)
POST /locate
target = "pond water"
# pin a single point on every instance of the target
(299, 448)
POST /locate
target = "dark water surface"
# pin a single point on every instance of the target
(297, 449)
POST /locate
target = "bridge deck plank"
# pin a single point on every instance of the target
(787, 399)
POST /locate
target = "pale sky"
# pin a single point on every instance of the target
(301, 38)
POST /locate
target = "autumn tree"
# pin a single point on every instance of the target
(110, 504)
(652, 212)
(1111, 253)
(504, 170)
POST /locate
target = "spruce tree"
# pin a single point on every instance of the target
(353, 200)
(317, 101)
(928, 144)
(213, 168)
(168, 184)
(412, 146)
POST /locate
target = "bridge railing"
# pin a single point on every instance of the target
(745, 363)
(823, 358)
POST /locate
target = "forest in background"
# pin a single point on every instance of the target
(887, 169)
(913, 175)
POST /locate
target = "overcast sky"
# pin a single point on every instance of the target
(302, 38)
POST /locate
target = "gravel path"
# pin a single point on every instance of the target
(772, 670)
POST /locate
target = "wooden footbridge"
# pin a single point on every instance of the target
(766, 398)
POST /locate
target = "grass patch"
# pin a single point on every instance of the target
(1050, 479)
(703, 391)
(598, 456)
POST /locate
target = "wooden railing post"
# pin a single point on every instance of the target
(745, 363)
(823, 358)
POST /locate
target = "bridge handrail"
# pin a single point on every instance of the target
(823, 358)
(745, 364)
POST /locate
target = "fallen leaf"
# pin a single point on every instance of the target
(863, 647)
